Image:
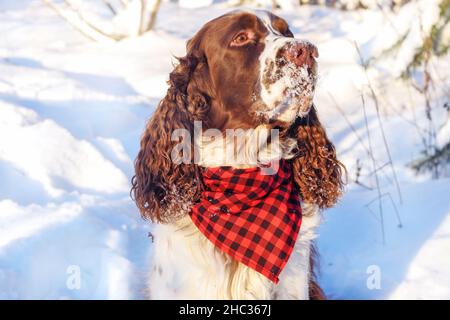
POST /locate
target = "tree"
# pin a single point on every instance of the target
(436, 43)
(108, 20)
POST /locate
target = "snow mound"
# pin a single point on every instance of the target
(47, 152)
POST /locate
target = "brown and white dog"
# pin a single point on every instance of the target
(241, 71)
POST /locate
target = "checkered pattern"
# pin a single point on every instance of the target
(252, 217)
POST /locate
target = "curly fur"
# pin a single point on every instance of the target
(159, 187)
(165, 191)
(318, 172)
(158, 183)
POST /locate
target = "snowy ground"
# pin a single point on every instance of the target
(72, 111)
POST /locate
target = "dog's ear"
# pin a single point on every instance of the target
(317, 171)
(164, 188)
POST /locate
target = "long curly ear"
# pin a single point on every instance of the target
(163, 189)
(318, 172)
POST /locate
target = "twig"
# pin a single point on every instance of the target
(380, 123)
(110, 7)
(377, 182)
(348, 122)
(113, 36)
(413, 110)
(374, 214)
(359, 183)
(67, 18)
(358, 175)
(397, 213)
(378, 169)
(84, 26)
(153, 15)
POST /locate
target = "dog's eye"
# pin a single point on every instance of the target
(241, 39)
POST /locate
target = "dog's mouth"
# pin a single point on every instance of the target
(291, 92)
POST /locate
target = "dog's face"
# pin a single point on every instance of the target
(255, 71)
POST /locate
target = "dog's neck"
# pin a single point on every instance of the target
(244, 148)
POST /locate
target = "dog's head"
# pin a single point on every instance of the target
(253, 70)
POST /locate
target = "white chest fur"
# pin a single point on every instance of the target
(186, 265)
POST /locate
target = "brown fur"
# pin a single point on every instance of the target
(315, 291)
(214, 83)
(161, 188)
(318, 172)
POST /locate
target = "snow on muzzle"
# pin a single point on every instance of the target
(288, 74)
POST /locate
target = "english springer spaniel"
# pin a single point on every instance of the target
(227, 227)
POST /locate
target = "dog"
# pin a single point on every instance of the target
(242, 71)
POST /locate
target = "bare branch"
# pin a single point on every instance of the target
(338, 107)
(75, 18)
(152, 18)
(110, 7)
(359, 183)
(377, 182)
(69, 18)
(380, 123)
(142, 17)
(397, 214)
(113, 36)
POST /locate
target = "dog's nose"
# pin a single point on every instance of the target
(300, 53)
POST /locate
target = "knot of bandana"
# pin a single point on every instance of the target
(253, 217)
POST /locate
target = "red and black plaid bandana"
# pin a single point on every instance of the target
(254, 218)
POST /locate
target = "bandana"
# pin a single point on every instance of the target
(253, 217)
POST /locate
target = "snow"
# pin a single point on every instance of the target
(413, 262)
(72, 112)
(57, 155)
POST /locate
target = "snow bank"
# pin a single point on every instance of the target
(50, 154)
(72, 112)
(412, 261)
